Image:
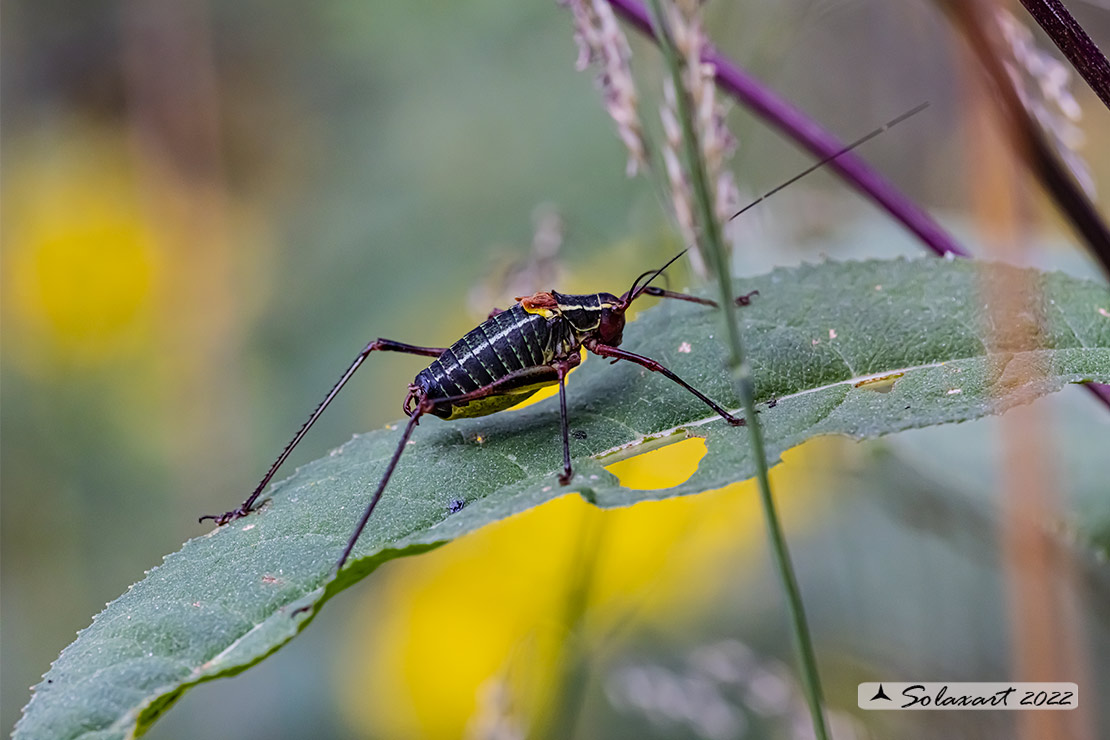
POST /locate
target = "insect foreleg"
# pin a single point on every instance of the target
(743, 300)
(378, 344)
(664, 293)
(604, 350)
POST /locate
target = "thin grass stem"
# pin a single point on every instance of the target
(713, 247)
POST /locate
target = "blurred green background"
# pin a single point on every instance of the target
(209, 208)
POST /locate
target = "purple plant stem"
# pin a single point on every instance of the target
(1074, 43)
(784, 116)
(1101, 392)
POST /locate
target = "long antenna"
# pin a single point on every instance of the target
(862, 140)
(635, 291)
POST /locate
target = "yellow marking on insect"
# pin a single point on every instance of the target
(546, 313)
(883, 384)
(493, 404)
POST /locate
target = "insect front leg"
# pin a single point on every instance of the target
(387, 345)
(604, 350)
(743, 300)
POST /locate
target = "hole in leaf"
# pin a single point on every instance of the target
(662, 467)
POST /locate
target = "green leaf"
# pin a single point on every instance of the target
(960, 464)
(815, 335)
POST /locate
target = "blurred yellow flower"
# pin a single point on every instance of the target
(80, 259)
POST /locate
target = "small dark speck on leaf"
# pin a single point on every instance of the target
(456, 505)
(578, 434)
(772, 403)
(270, 579)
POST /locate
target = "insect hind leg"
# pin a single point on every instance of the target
(386, 345)
(422, 405)
(563, 368)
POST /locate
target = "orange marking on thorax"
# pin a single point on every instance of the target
(541, 303)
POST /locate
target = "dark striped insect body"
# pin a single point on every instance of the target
(518, 349)
(502, 362)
